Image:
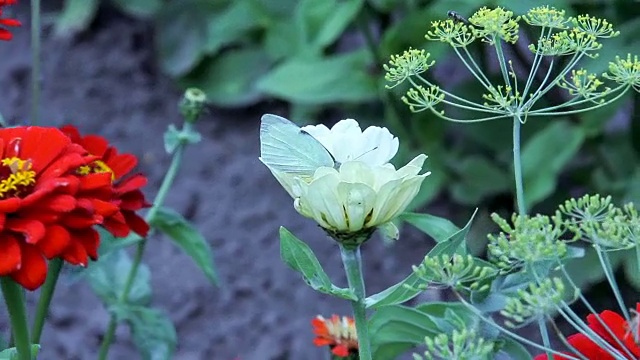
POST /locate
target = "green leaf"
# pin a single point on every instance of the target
(438, 228)
(324, 21)
(478, 179)
(544, 157)
(109, 244)
(301, 258)
(12, 353)
(76, 16)
(513, 349)
(182, 29)
(395, 329)
(188, 239)
(343, 79)
(230, 79)
(108, 278)
(174, 138)
(139, 8)
(403, 291)
(455, 243)
(407, 288)
(231, 25)
(152, 331)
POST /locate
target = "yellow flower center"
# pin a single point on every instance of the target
(97, 167)
(16, 177)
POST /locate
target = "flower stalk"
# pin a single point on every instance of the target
(46, 294)
(352, 262)
(167, 182)
(35, 62)
(18, 315)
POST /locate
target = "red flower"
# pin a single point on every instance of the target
(38, 184)
(624, 333)
(4, 33)
(126, 196)
(337, 333)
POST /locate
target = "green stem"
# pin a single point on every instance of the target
(14, 300)
(35, 62)
(517, 167)
(491, 322)
(353, 268)
(580, 325)
(545, 336)
(167, 182)
(608, 273)
(470, 105)
(46, 294)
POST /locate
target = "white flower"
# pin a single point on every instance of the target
(361, 194)
(346, 142)
(358, 196)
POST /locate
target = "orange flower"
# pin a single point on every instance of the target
(125, 193)
(337, 333)
(38, 184)
(4, 33)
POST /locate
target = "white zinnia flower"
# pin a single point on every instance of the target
(358, 196)
(364, 192)
(346, 141)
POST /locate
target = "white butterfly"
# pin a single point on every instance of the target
(287, 148)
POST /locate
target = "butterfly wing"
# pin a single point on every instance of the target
(284, 147)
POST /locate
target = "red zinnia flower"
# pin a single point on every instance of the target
(126, 194)
(38, 183)
(338, 333)
(4, 33)
(625, 334)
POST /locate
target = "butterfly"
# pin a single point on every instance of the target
(287, 148)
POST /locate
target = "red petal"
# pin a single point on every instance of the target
(58, 203)
(10, 205)
(81, 220)
(319, 341)
(340, 350)
(10, 255)
(136, 223)
(72, 132)
(95, 181)
(5, 35)
(95, 144)
(90, 240)
(10, 22)
(75, 253)
(132, 183)
(40, 144)
(32, 230)
(122, 164)
(33, 271)
(56, 239)
(116, 228)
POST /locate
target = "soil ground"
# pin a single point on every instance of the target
(105, 81)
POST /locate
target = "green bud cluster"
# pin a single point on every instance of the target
(454, 271)
(533, 303)
(594, 219)
(462, 344)
(517, 98)
(529, 240)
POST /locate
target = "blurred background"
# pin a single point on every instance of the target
(117, 68)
